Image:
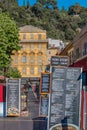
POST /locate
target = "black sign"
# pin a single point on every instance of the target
(24, 80)
(65, 95)
(13, 97)
(45, 82)
(34, 80)
(59, 61)
(44, 103)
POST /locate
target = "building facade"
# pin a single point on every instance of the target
(77, 53)
(31, 60)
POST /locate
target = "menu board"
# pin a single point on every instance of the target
(34, 80)
(59, 61)
(65, 96)
(45, 83)
(44, 103)
(13, 97)
(24, 80)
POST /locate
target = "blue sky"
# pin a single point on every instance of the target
(61, 3)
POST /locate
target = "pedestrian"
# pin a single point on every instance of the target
(34, 90)
(29, 86)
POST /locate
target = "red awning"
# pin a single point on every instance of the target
(81, 63)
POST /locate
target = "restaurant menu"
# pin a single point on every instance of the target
(65, 96)
(59, 61)
(45, 83)
(13, 97)
(44, 103)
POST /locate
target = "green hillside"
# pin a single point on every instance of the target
(59, 24)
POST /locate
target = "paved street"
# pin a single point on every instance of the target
(32, 122)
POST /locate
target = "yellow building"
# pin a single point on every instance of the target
(52, 51)
(31, 60)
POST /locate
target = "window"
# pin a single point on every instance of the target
(71, 55)
(77, 53)
(49, 52)
(39, 36)
(24, 36)
(39, 59)
(31, 36)
(16, 59)
(24, 59)
(40, 46)
(24, 70)
(23, 47)
(85, 49)
(31, 59)
(39, 70)
(31, 70)
(31, 47)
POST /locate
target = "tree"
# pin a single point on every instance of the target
(48, 3)
(9, 40)
(13, 73)
(75, 9)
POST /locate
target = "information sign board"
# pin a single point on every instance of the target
(59, 61)
(13, 97)
(65, 96)
(44, 103)
(45, 83)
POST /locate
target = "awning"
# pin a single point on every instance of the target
(82, 62)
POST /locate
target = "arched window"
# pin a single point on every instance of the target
(31, 59)
(24, 59)
(31, 70)
(39, 70)
(24, 70)
(39, 59)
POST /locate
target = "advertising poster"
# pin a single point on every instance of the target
(65, 97)
(13, 97)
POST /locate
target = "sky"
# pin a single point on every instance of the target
(62, 3)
